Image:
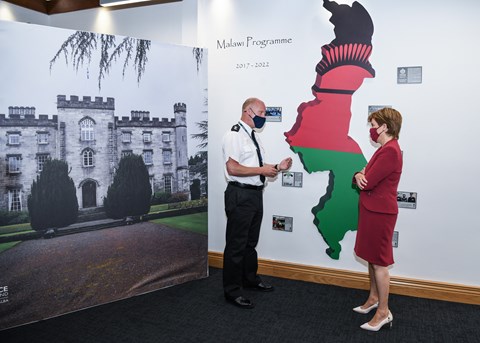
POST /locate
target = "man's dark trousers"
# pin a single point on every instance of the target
(244, 209)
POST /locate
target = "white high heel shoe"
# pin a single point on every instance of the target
(361, 310)
(388, 320)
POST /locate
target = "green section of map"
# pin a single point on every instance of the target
(337, 210)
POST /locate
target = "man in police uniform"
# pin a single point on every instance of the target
(245, 171)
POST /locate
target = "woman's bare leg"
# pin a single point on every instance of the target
(382, 282)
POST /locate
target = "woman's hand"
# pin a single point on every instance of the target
(361, 180)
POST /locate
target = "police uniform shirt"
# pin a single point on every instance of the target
(239, 146)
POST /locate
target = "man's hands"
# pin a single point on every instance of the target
(270, 170)
(236, 169)
(285, 164)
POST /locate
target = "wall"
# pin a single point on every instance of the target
(438, 240)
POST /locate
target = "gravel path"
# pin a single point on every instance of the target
(49, 277)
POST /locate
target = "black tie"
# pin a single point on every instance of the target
(262, 178)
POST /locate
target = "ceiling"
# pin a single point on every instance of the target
(63, 6)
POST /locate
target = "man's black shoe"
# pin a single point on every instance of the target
(262, 287)
(240, 301)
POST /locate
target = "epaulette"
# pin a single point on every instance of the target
(236, 128)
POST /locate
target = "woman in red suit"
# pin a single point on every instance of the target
(378, 183)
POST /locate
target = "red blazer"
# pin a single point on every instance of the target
(383, 174)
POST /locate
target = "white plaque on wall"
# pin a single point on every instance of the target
(406, 75)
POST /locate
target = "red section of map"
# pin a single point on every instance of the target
(323, 123)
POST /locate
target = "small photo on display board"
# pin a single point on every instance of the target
(407, 199)
(292, 179)
(274, 114)
(282, 223)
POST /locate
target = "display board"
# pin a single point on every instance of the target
(76, 108)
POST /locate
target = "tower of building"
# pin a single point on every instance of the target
(180, 112)
(86, 143)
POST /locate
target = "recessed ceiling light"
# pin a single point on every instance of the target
(107, 3)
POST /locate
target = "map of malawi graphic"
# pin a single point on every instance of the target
(320, 133)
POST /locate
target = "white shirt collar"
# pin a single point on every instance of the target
(246, 127)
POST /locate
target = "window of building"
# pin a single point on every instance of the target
(148, 157)
(167, 156)
(41, 158)
(168, 184)
(42, 137)
(147, 137)
(126, 136)
(14, 200)
(13, 138)
(14, 164)
(87, 158)
(86, 130)
(126, 153)
(166, 136)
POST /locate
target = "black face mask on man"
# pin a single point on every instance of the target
(257, 120)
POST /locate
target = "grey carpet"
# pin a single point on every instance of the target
(295, 312)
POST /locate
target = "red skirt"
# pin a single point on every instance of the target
(374, 237)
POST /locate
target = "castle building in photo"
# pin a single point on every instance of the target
(87, 135)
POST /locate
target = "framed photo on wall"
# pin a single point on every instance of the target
(292, 179)
(282, 223)
(274, 114)
(407, 199)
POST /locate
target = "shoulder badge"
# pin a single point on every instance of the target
(236, 128)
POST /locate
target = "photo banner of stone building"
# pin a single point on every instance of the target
(87, 120)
